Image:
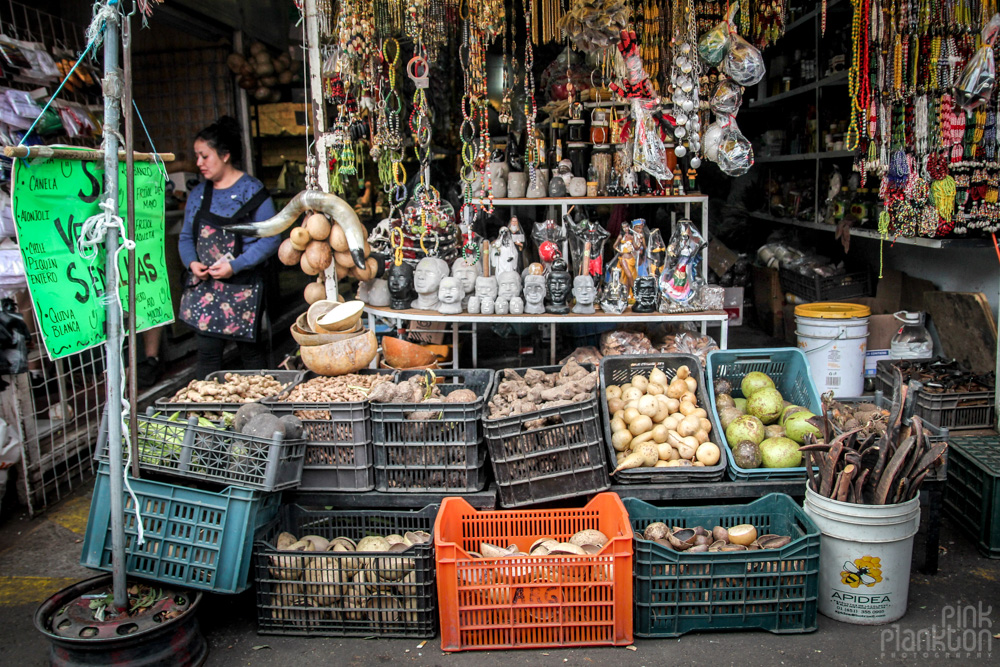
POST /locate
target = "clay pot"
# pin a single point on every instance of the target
(517, 184)
(341, 357)
(401, 354)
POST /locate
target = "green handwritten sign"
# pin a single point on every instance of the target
(51, 200)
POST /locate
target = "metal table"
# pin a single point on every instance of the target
(719, 317)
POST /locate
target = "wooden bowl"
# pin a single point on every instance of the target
(341, 357)
(341, 318)
(401, 354)
(316, 311)
(308, 339)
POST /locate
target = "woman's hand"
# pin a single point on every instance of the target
(221, 270)
(199, 270)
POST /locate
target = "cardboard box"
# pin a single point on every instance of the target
(881, 329)
(733, 305)
(768, 300)
(720, 258)
(282, 119)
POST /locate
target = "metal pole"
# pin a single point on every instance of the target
(112, 93)
(133, 339)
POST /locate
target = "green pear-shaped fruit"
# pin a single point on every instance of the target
(740, 404)
(797, 426)
(788, 411)
(780, 453)
(754, 382)
(743, 428)
(765, 405)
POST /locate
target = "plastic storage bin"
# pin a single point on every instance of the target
(934, 434)
(194, 538)
(972, 492)
(563, 460)
(287, 378)
(184, 449)
(444, 455)
(834, 288)
(339, 453)
(537, 601)
(321, 594)
(773, 589)
(789, 369)
(954, 411)
(458, 422)
(618, 370)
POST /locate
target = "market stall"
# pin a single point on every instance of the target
(510, 166)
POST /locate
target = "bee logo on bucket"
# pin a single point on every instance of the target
(864, 570)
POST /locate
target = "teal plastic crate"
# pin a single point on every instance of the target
(972, 491)
(789, 369)
(193, 538)
(774, 589)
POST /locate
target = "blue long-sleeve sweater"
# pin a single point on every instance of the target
(225, 202)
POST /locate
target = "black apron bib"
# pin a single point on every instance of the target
(227, 308)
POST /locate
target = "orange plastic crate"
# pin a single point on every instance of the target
(534, 601)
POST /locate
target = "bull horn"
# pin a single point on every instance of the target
(330, 205)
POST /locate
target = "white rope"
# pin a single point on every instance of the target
(93, 233)
(102, 14)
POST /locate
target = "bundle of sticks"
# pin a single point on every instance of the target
(875, 469)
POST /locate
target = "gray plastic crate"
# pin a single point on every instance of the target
(619, 370)
(423, 467)
(185, 449)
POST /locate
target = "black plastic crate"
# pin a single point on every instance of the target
(339, 435)
(287, 378)
(320, 594)
(457, 423)
(834, 288)
(972, 492)
(934, 434)
(562, 460)
(423, 467)
(618, 370)
(953, 411)
(182, 448)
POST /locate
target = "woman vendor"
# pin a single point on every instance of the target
(224, 292)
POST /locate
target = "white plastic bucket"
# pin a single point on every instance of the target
(834, 337)
(864, 558)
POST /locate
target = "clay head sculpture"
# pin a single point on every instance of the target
(450, 296)
(508, 284)
(645, 294)
(558, 284)
(534, 294)
(466, 274)
(400, 280)
(426, 279)
(375, 292)
(584, 292)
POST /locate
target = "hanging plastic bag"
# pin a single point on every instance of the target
(978, 80)
(586, 246)
(648, 152)
(743, 62)
(735, 155)
(679, 284)
(714, 44)
(727, 98)
(711, 140)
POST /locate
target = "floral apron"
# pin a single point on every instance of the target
(227, 308)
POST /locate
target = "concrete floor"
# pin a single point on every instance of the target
(40, 556)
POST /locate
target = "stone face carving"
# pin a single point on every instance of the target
(584, 292)
(400, 281)
(450, 296)
(534, 294)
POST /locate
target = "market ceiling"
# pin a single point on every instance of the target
(265, 21)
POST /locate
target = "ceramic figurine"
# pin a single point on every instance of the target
(558, 285)
(400, 281)
(615, 298)
(466, 274)
(500, 188)
(426, 279)
(540, 186)
(578, 186)
(517, 306)
(565, 171)
(534, 294)
(584, 292)
(501, 305)
(557, 188)
(474, 306)
(450, 296)
(509, 284)
(486, 294)
(645, 294)
(376, 293)
(517, 184)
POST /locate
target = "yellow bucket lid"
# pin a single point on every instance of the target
(832, 310)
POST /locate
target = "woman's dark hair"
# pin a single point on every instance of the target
(225, 137)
